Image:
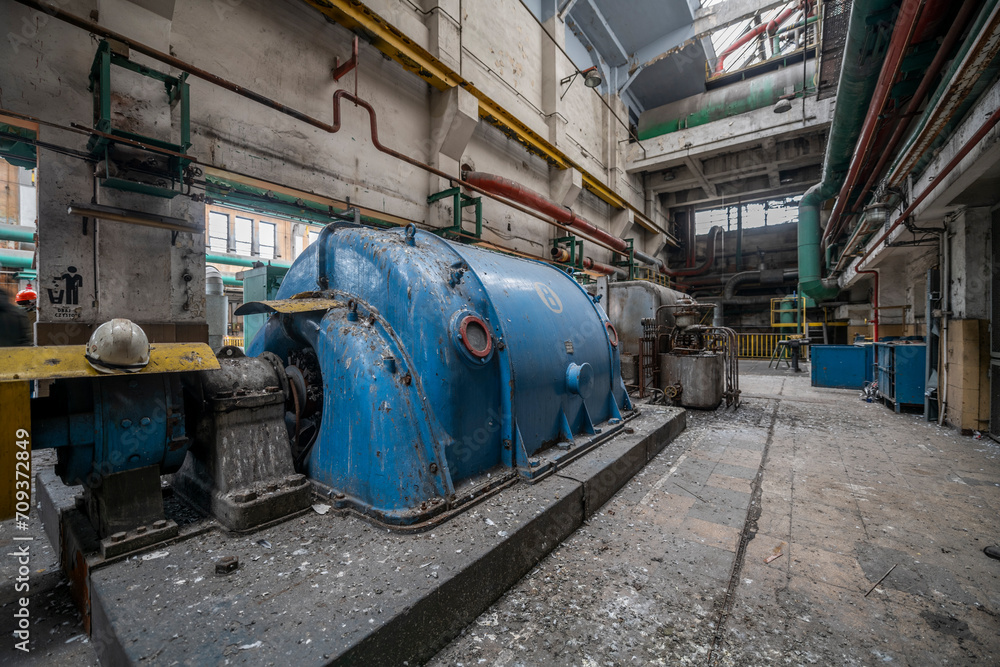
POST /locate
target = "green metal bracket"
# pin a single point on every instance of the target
(629, 262)
(460, 201)
(575, 246)
(177, 92)
(18, 153)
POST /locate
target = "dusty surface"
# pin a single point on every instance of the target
(847, 490)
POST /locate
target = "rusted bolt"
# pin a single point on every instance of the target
(118, 537)
(227, 564)
(271, 488)
(407, 379)
(140, 530)
(434, 467)
(160, 525)
(506, 444)
(340, 496)
(630, 430)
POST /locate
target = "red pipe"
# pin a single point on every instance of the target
(959, 156)
(763, 27)
(705, 266)
(965, 14)
(874, 272)
(562, 256)
(505, 187)
(900, 42)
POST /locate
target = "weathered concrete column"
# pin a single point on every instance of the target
(565, 185)
(454, 116)
(445, 31)
(90, 271)
(555, 67)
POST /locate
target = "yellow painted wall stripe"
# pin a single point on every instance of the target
(353, 14)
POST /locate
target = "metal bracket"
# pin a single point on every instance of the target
(460, 201)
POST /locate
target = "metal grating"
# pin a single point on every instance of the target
(836, 17)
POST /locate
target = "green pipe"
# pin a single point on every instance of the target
(864, 53)
(16, 233)
(229, 260)
(232, 282)
(15, 261)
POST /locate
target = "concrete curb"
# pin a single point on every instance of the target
(419, 620)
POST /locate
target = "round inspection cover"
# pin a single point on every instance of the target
(476, 337)
(612, 334)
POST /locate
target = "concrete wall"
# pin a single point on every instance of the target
(285, 50)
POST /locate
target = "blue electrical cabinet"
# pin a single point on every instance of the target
(842, 366)
(901, 372)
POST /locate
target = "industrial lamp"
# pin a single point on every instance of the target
(591, 79)
(784, 105)
(876, 214)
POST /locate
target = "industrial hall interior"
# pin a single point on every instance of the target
(499, 332)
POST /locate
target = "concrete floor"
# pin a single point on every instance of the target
(672, 570)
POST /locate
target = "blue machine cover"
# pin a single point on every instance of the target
(445, 362)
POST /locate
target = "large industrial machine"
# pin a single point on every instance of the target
(402, 374)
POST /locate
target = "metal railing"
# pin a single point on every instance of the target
(759, 345)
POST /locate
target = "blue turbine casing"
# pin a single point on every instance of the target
(410, 410)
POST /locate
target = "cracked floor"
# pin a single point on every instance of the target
(848, 491)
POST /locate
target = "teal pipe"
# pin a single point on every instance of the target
(232, 282)
(15, 233)
(229, 260)
(864, 53)
(15, 261)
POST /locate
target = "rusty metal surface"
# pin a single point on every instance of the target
(55, 362)
(292, 305)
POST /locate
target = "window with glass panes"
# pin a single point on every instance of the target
(218, 232)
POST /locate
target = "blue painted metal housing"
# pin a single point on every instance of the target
(901, 376)
(112, 424)
(842, 366)
(444, 362)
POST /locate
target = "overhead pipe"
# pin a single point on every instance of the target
(906, 25)
(513, 190)
(967, 147)
(504, 187)
(858, 78)
(972, 69)
(562, 256)
(706, 266)
(139, 47)
(12, 259)
(957, 29)
(768, 28)
(17, 233)
(764, 278)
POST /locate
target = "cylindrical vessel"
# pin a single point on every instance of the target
(701, 376)
(216, 307)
